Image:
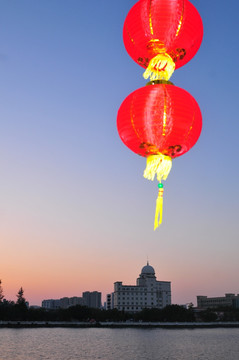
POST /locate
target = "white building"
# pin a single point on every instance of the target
(204, 302)
(148, 293)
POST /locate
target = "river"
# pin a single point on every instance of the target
(119, 344)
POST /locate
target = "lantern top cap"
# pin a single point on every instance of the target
(157, 82)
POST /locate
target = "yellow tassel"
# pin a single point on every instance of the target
(161, 165)
(159, 209)
(161, 67)
(158, 164)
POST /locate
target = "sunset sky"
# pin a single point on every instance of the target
(76, 213)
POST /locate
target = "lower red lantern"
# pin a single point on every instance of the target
(160, 122)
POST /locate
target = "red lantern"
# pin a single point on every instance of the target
(159, 119)
(168, 31)
(161, 122)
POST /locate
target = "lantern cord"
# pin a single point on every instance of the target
(161, 67)
(159, 208)
(158, 164)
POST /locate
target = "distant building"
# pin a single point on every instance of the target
(62, 303)
(51, 304)
(92, 299)
(148, 293)
(75, 300)
(204, 302)
(109, 301)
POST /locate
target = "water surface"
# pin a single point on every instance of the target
(119, 344)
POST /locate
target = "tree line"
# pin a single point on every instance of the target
(19, 311)
(10, 310)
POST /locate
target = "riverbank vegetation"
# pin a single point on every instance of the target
(19, 311)
(10, 311)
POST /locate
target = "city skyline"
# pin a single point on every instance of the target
(75, 208)
(104, 298)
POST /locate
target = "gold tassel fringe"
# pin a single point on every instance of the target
(161, 67)
(158, 164)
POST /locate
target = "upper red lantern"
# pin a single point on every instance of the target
(172, 29)
(159, 119)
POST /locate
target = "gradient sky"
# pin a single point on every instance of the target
(76, 213)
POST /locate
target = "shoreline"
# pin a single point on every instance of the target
(117, 325)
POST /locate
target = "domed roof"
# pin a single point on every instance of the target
(148, 270)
